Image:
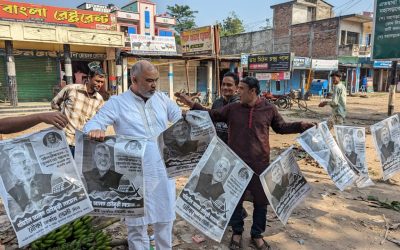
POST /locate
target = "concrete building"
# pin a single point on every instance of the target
(142, 25)
(309, 28)
(44, 47)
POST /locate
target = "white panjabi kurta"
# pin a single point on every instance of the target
(130, 115)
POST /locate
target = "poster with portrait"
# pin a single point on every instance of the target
(351, 141)
(319, 143)
(183, 144)
(284, 185)
(213, 190)
(386, 136)
(40, 185)
(112, 173)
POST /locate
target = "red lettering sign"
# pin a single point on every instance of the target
(32, 13)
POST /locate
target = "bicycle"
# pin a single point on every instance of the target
(287, 101)
(277, 100)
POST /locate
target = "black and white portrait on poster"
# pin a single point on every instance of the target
(351, 141)
(386, 135)
(40, 186)
(112, 172)
(213, 190)
(320, 144)
(284, 185)
(183, 144)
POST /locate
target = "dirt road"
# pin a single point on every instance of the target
(328, 219)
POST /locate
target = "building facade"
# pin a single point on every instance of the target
(309, 28)
(44, 47)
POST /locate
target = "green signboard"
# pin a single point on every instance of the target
(386, 30)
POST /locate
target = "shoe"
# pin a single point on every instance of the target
(234, 245)
(264, 246)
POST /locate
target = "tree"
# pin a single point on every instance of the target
(231, 25)
(183, 15)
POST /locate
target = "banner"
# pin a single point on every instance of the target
(183, 144)
(152, 45)
(213, 190)
(351, 141)
(113, 175)
(50, 15)
(284, 185)
(198, 41)
(386, 34)
(320, 144)
(271, 63)
(39, 184)
(386, 135)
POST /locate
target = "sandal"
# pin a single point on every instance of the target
(264, 246)
(234, 245)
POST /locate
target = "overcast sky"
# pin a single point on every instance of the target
(253, 12)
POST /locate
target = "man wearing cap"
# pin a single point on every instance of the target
(249, 123)
(338, 103)
(80, 102)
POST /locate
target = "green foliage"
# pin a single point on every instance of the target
(231, 25)
(184, 16)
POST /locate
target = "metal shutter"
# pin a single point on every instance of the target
(36, 77)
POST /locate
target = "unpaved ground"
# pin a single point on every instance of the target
(328, 219)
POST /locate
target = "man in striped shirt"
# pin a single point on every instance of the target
(80, 102)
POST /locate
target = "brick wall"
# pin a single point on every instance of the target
(282, 23)
(251, 42)
(325, 39)
(300, 39)
(315, 39)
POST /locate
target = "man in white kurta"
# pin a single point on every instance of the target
(142, 112)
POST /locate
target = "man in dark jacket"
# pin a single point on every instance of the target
(249, 123)
(228, 89)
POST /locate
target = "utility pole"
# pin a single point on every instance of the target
(392, 87)
(11, 74)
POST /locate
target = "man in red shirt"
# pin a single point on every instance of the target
(249, 123)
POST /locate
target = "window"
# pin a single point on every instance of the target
(147, 19)
(132, 30)
(352, 37)
(165, 33)
(343, 37)
(310, 14)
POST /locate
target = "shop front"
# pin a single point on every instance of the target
(322, 69)
(273, 71)
(44, 55)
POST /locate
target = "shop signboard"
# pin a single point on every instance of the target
(152, 45)
(244, 59)
(318, 64)
(50, 15)
(54, 54)
(301, 63)
(270, 63)
(382, 64)
(198, 41)
(280, 76)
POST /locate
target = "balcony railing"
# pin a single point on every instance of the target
(355, 50)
